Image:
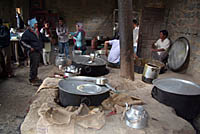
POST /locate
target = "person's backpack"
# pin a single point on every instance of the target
(4, 36)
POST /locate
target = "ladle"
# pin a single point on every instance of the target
(103, 82)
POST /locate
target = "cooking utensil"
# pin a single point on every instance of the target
(61, 60)
(136, 116)
(89, 88)
(150, 73)
(69, 95)
(76, 52)
(179, 54)
(73, 69)
(67, 74)
(103, 82)
(182, 95)
(96, 68)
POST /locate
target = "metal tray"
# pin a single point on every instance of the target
(89, 88)
(178, 53)
(70, 86)
(177, 86)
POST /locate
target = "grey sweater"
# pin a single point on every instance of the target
(62, 33)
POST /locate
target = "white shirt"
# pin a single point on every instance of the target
(162, 44)
(135, 35)
(114, 55)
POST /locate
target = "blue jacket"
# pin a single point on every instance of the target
(79, 37)
(30, 40)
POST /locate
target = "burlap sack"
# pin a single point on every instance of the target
(58, 120)
(118, 100)
(49, 83)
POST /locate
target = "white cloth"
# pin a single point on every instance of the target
(162, 44)
(135, 36)
(114, 55)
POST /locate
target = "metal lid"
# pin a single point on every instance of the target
(178, 53)
(71, 85)
(177, 86)
(84, 60)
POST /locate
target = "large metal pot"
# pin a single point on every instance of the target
(150, 73)
(182, 95)
(95, 68)
(70, 95)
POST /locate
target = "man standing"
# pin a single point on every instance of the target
(62, 32)
(33, 40)
(5, 50)
(135, 36)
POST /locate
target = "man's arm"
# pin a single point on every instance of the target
(60, 33)
(106, 43)
(154, 47)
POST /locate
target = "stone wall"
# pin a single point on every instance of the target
(184, 20)
(97, 16)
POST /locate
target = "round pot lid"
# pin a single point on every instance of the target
(178, 53)
(85, 60)
(73, 86)
(177, 86)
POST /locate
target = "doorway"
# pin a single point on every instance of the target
(152, 20)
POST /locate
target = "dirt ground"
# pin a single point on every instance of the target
(15, 97)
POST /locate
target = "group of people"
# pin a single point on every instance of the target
(37, 41)
(159, 48)
(63, 37)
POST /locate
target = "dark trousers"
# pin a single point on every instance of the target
(5, 54)
(34, 64)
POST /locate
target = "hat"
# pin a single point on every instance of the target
(32, 22)
(80, 25)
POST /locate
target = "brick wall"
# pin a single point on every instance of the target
(184, 20)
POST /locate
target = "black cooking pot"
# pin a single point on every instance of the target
(69, 95)
(182, 95)
(96, 68)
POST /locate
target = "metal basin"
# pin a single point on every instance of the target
(71, 95)
(182, 95)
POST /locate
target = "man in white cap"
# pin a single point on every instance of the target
(33, 40)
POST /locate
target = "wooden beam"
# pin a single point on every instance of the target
(126, 39)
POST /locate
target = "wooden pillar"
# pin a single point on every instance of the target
(126, 39)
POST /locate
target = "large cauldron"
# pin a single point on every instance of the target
(69, 95)
(96, 68)
(182, 95)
